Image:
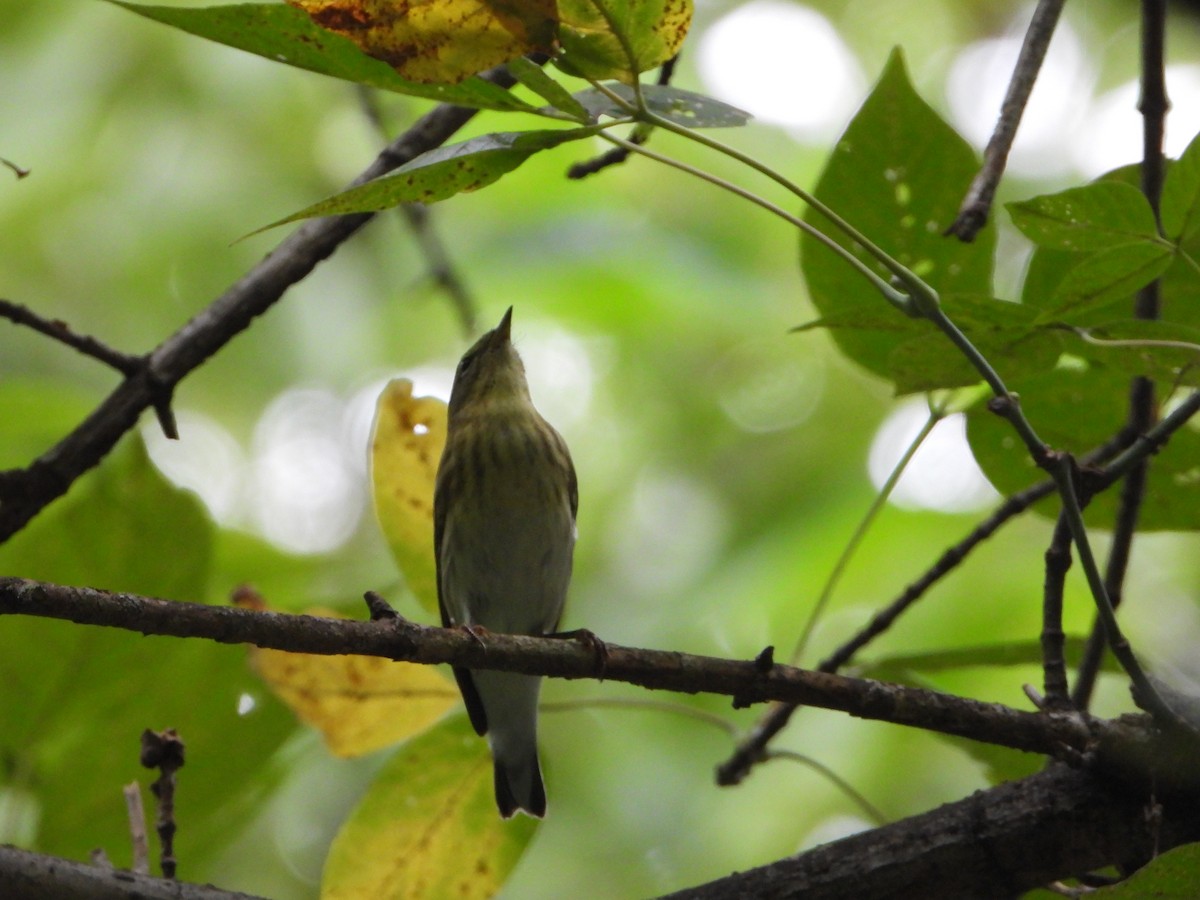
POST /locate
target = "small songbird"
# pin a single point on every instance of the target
(504, 537)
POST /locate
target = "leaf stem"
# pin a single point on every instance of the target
(916, 287)
(627, 49)
(679, 709)
(893, 296)
(936, 413)
(870, 809)
(1162, 343)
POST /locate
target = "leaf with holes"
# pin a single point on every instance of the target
(682, 107)
(1098, 216)
(898, 174)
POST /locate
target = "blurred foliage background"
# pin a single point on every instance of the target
(723, 462)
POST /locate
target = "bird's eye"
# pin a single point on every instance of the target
(464, 365)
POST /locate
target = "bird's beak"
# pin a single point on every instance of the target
(504, 329)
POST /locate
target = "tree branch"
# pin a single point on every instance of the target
(1153, 105)
(19, 314)
(34, 876)
(977, 205)
(994, 844)
(745, 681)
(28, 491)
(752, 749)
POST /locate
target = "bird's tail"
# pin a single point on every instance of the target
(519, 785)
(511, 704)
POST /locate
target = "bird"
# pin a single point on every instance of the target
(504, 510)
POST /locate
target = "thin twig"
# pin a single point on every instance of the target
(127, 365)
(752, 748)
(860, 531)
(1054, 668)
(124, 363)
(870, 809)
(1153, 105)
(640, 135)
(164, 751)
(1145, 692)
(19, 171)
(977, 205)
(1149, 442)
(137, 828)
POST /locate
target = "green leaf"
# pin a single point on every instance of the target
(1179, 286)
(440, 173)
(77, 698)
(1098, 216)
(36, 414)
(1171, 876)
(682, 107)
(428, 825)
(127, 528)
(284, 34)
(599, 36)
(1113, 274)
(1179, 207)
(535, 78)
(1076, 408)
(898, 174)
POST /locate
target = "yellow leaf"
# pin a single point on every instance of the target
(439, 41)
(358, 703)
(427, 827)
(406, 446)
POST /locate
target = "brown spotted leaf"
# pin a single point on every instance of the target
(440, 40)
(441, 173)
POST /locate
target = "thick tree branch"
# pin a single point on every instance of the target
(994, 844)
(745, 681)
(33, 876)
(28, 491)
